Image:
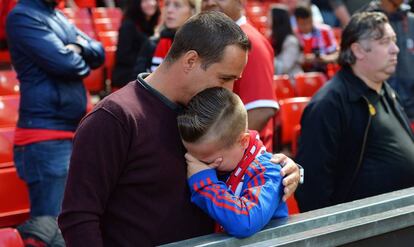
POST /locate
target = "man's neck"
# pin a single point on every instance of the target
(166, 85)
(375, 85)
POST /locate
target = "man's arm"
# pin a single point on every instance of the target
(99, 151)
(319, 147)
(248, 213)
(290, 172)
(33, 37)
(258, 117)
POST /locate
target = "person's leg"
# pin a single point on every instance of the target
(43, 166)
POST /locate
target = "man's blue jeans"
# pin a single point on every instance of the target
(44, 167)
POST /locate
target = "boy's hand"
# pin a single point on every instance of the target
(195, 166)
(290, 172)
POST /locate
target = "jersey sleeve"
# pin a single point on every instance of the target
(244, 215)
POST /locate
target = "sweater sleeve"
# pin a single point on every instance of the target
(92, 176)
(244, 215)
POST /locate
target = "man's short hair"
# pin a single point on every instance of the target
(362, 26)
(213, 113)
(207, 33)
(303, 12)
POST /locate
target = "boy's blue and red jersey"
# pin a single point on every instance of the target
(247, 210)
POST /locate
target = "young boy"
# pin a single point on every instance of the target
(214, 131)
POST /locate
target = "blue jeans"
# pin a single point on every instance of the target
(44, 168)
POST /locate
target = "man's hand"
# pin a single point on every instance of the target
(74, 48)
(290, 172)
(195, 166)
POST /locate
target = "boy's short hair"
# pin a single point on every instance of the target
(215, 112)
(303, 12)
(208, 33)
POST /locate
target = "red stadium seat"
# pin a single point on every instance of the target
(86, 3)
(13, 209)
(10, 237)
(6, 145)
(292, 205)
(9, 106)
(9, 84)
(295, 137)
(109, 41)
(307, 84)
(5, 56)
(108, 38)
(80, 13)
(95, 81)
(106, 24)
(283, 87)
(113, 13)
(289, 115)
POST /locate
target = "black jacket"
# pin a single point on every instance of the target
(52, 92)
(335, 125)
(130, 42)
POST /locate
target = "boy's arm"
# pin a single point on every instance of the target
(244, 215)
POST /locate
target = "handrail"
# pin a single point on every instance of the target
(345, 222)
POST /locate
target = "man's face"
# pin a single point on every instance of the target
(305, 25)
(380, 55)
(220, 74)
(232, 8)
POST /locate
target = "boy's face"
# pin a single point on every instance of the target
(207, 151)
(304, 25)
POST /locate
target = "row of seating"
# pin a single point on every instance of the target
(101, 24)
(303, 85)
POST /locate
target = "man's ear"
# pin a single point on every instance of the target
(245, 139)
(189, 60)
(358, 50)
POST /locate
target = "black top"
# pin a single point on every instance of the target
(130, 41)
(127, 183)
(332, 142)
(389, 152)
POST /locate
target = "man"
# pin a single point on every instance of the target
(255, 85)
(127, 178)
(356, 141)
(344, 9)
(317, 40)
(51, 57)
(402, 21)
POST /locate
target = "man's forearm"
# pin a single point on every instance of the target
(259, 117)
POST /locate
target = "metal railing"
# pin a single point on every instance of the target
(332, 226)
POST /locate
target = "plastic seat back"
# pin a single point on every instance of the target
(283, 87)
(307, 84)
(9, 84)
(9, 107)
(10, 237)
